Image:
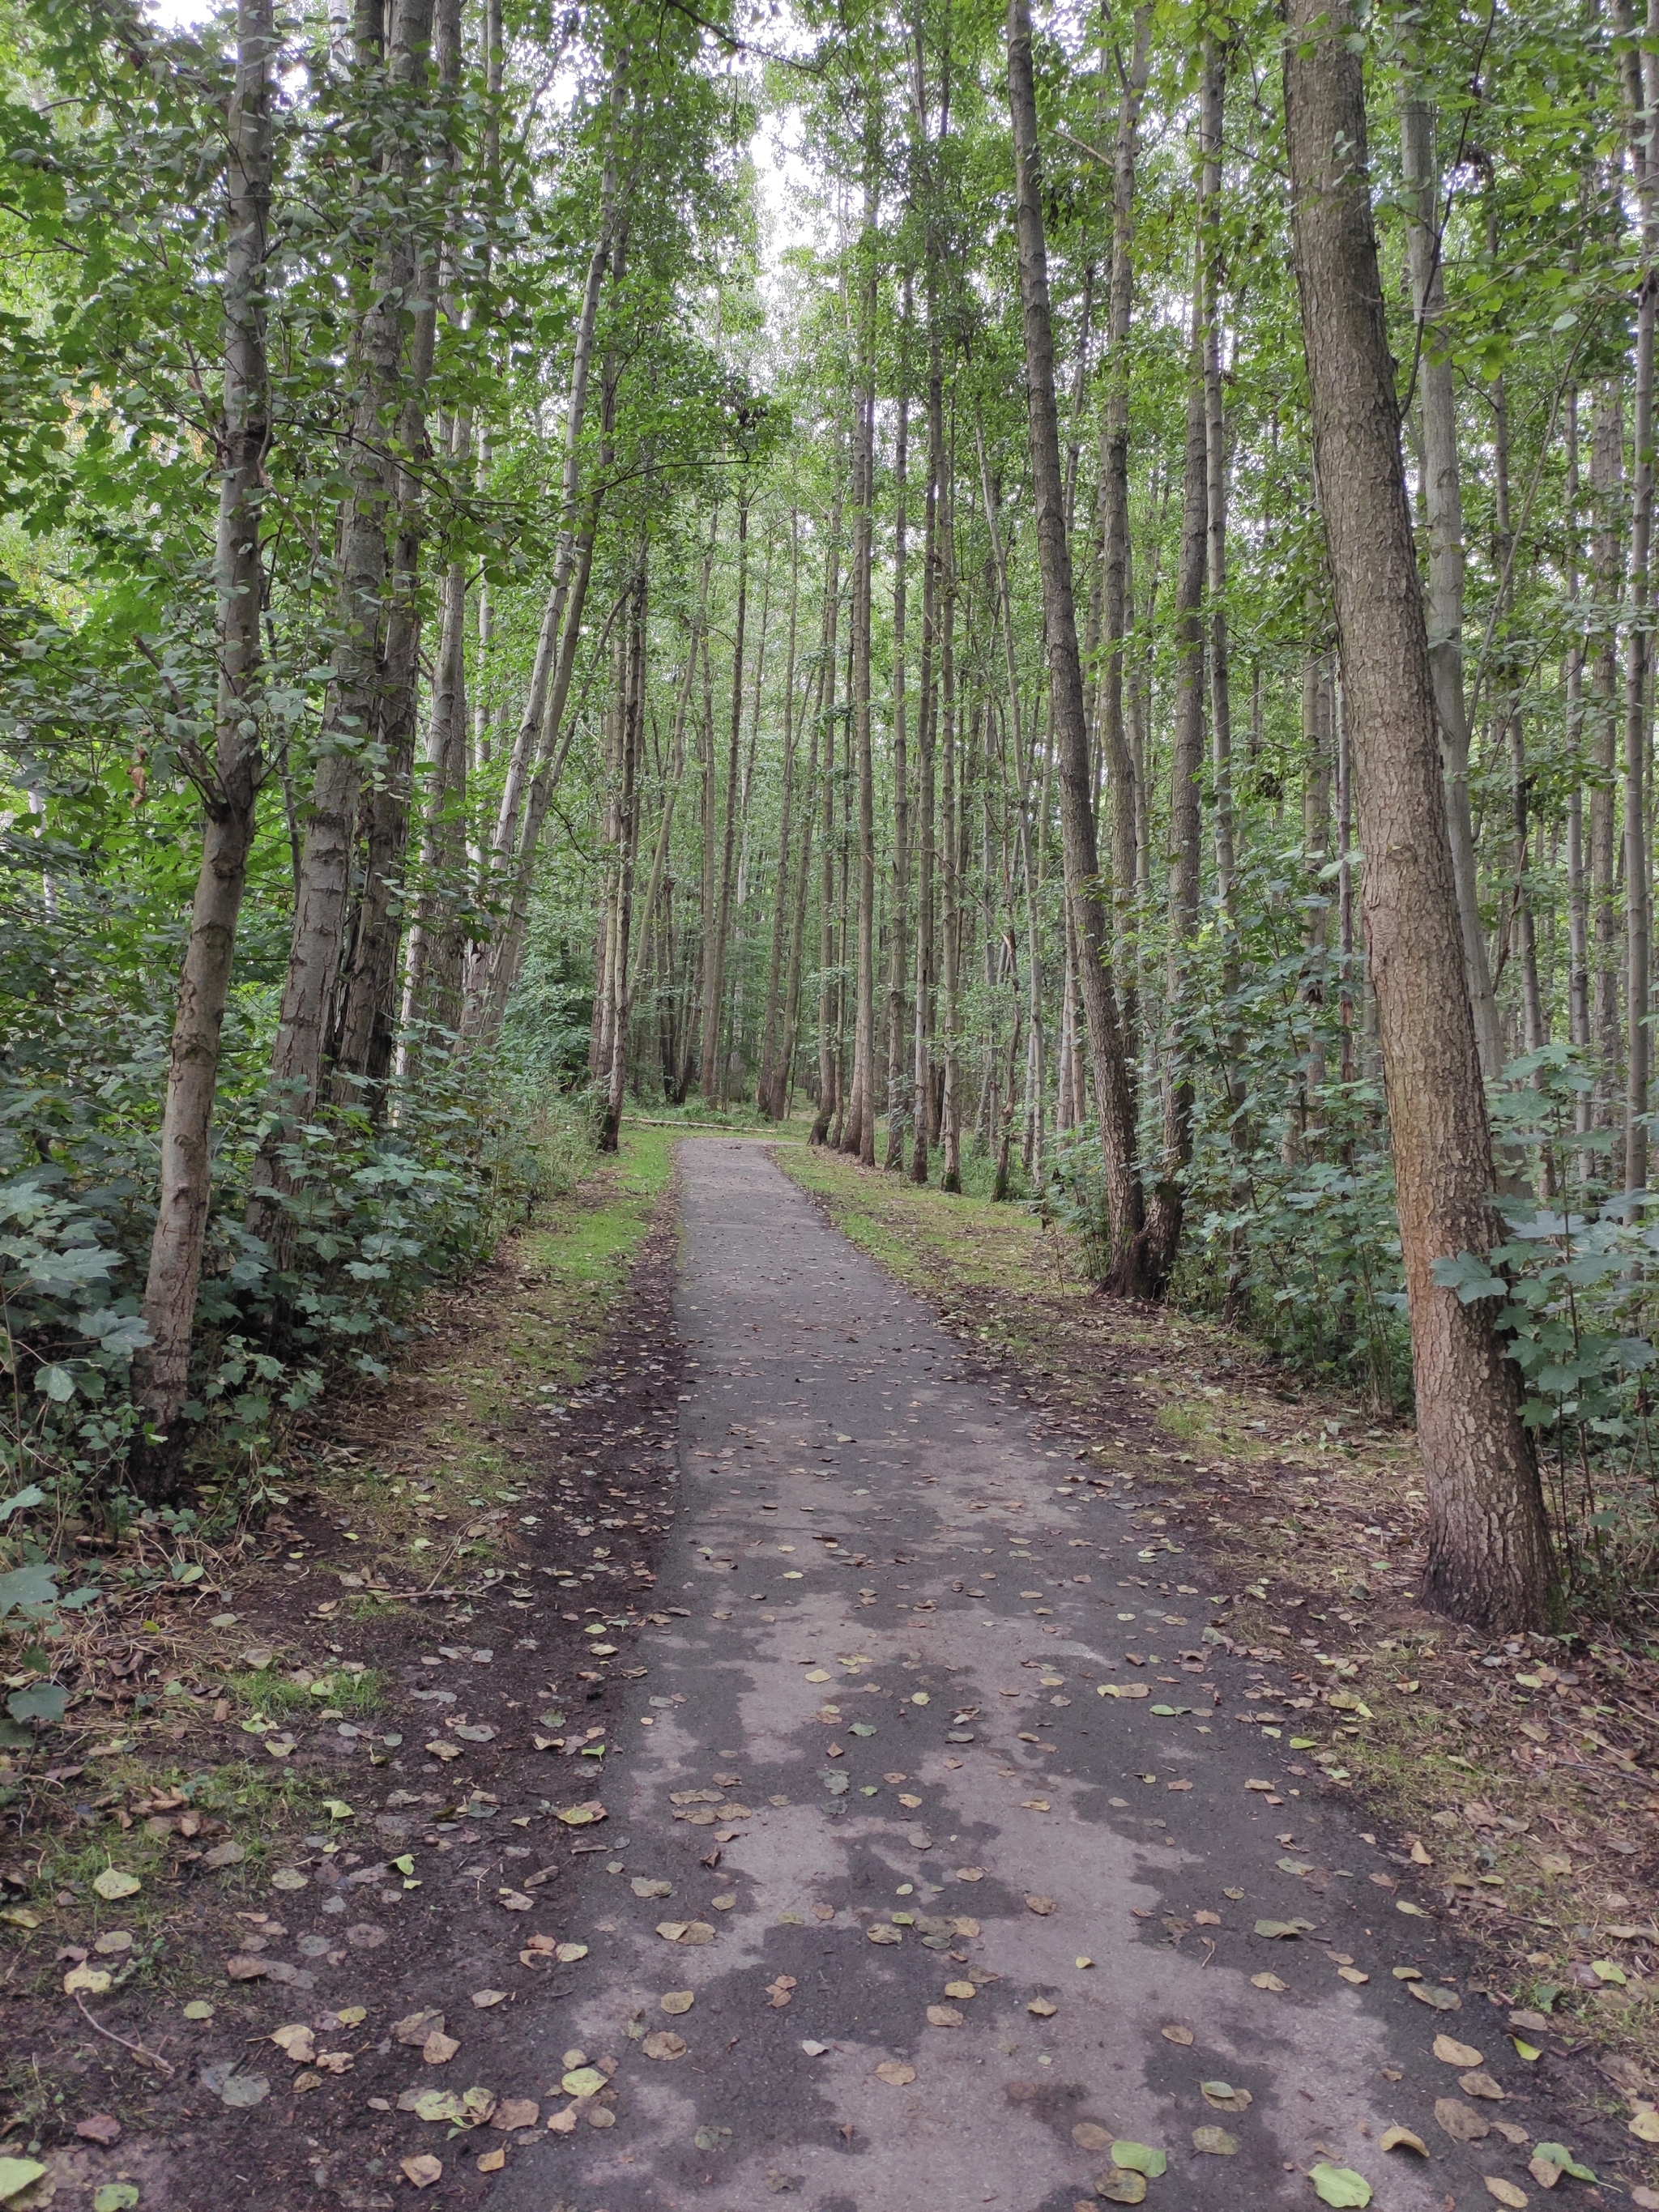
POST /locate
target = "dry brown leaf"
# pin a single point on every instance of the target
(1451, 2052)
(1042, 1907)
(1402, 2139)
(515, 2112)
(1460, 2121)
(1351, 1974)
(1043, 2008)
(780, 1991)
(492, 2160)
(944, 2016)
(675, 2002)
(1183, 2035)
(895, 2073)
(415, 2027)
(1480, 2085)
(1505, 2192)
(665, 2043)
(962, 1990)
(297, 2042)
(439, 2049)
(1267, 1982)
(1088, 2135)
(564, 2122)
(424, 2170)
(1206, 1920)
(1215, 2141)
(485, 1998)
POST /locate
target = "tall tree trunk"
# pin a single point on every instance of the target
(1489, 1552)
(1443, 500)
(633, 740)
(858, 1136)
(1607, 470)
(1167, 1211)
(950, 1119)
(231, 787)
(898, 1097)
(374, 377)
(826, 1097)
(926, 724)
(1638, 864)
(1116, 757)
(1126, 1264)
(714, 956)
(783, 1078)
(786, 807)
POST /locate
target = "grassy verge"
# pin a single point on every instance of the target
(1519, 1775)
(204, 1731)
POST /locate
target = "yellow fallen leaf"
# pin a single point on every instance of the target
(1351, 1974)
(942, 2015)
(1183, 2035)
(961, 1990)
(1402, 2139)
(297, 2042)
(1082, 1961)
(1506, 2192)
(1042, 2009)
(1644, 2124)
(1267, 1982)
(675, 2002)
(492, 2161)
(895, 2073)
(424, 2170)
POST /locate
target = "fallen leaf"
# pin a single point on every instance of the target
(1338, 2184)
(815, 2050)
(1183, 2035)
(664, 2044)
(492, 2160)
(17, 2174)
(1267, 1982)
(1206, 1920)
(564, 2122)
(1426, 1993)
(485, 1998)
(1505, 2192)
(971, 1873)
(1042, 1907)
(567, 1953)
(1351, 1974)
(582, 2081)
(1451, 2053)
(895, 2073)
(1460, 2121)
(439, 2049)
(99, 2128)
(1088, 2135)
(515, 2112)
(1216, 2141)
(1282, 1929)
(1225, 2097)
(583, 1815)
(943, 2015)
(296, 2043)
(94, 1980)
(112, 1884)
(1558, 2156)
(1043, 2008)
(424, 2170)
(780, 1991)
(675, 2002)
(962, 1990)
(1121, 1690)
(1121, 2186)
(1401, 2139)
(882, 1933)
(1644, 2124)
(1139, 2158)
(115, 2197)
(1480, 2085)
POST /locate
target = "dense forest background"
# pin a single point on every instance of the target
(531, 590)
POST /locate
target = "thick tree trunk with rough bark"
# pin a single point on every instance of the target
(1489, 1552)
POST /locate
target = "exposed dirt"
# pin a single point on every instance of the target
(341, 1940)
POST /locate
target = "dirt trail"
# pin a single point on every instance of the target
(872, 1779)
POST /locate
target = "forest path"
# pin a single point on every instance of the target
(864, 1527)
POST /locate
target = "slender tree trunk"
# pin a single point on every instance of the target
(1126, 1269)
(713, 973)
(633, 737)
(353, 717)
(899, 1101)
(1443, 500)
(230, 791)
(1638, 866)
(826, 1099)
(926, 722)
(786, 802)
(950, 875)
(1168, 1208)
(1607, 470)
(1489, 1552)
(1116, 757)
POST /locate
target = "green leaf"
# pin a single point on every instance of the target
(1139, 2158)
(1338, 2184)
(17, 2174)
(116, 2196)
(1558, 2154)
(41, 1701)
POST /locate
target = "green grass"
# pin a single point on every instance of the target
(272, 1694)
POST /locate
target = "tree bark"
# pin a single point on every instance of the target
(1443, 501)
(713, 953)
(353, 723)
(786, 808)
(230, 794)
(1126, 1264)
(1489, 1552)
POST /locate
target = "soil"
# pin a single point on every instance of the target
(349, 1935)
